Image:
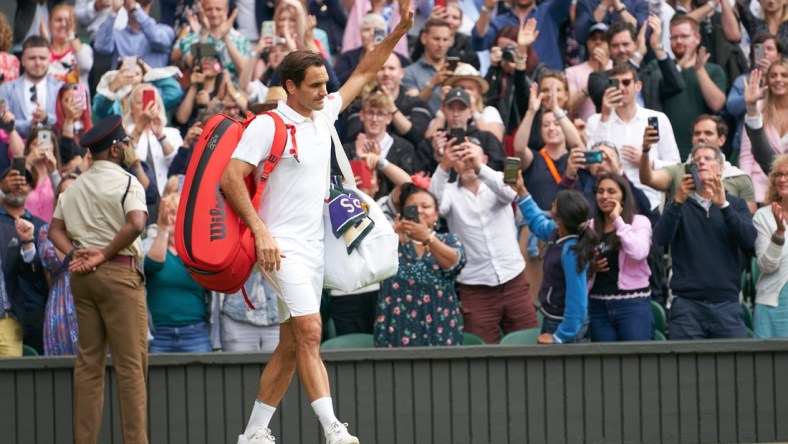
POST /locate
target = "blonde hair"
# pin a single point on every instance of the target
(6, 34)
(171, 187)
(173, 199)
(771, 189)
(770, 112)
(128, 119)
(304, 39)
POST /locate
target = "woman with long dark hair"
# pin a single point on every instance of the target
(620, 296)
(567, 254)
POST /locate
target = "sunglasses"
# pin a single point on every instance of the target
(626, 82)
(33, 94)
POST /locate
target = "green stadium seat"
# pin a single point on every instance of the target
(471, 339)
(521, 337)
(660, 319)
(353, 340)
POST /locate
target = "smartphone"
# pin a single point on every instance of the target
(592, 156)
(654, 123)
(411, 213)
(758, 52)
(510, 169)
(127, 63)
(613, 82)
(80, 95)
(378, 35)
(691, 168)
(457, 133)
(19, 165)
(44, 138)
(207, 51)
(440, 3)
(268, 29)
(361, 169)
(148, 96)
(452, 61)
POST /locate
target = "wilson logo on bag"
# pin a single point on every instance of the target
(213, 242)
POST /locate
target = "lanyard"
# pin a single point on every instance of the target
(550, 165)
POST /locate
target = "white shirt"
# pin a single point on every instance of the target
(148, 146)
(621, 133)
(246, 22)
(485, 223)
(41, 95)
(293, 199)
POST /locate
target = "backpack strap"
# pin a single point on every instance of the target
(277, 149)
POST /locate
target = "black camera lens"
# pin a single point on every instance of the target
(509, 53)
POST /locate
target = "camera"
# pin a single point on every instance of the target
(509, 53)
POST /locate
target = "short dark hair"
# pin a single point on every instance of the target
(619, 27)
(35, 41)
(722, 127)
(295, 64)
(681, 19)
(624, 68)
(762, 38)
(435, 23)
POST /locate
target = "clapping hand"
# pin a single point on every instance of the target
(717, 190)
(779, 218)
(701, 59)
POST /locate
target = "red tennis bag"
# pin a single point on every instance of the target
(212, 240)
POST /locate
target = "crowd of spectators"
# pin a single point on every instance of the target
(648, 142)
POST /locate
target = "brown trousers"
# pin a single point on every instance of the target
(488, 310)
(111, 310)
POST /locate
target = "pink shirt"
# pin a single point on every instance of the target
(577, 77)
(9, 65)
(41, 201)
(352, 37)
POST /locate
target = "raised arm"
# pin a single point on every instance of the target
(369, 66)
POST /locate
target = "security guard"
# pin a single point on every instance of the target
(98, 220)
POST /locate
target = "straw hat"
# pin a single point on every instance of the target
(465, 71)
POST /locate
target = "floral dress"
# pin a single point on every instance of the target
(419, 306)
(60, 316)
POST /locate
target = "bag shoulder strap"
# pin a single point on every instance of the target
(277, 148)
(341, 156)
(550, 165)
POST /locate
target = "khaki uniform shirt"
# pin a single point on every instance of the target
(91, 207)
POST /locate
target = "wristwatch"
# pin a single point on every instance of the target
(484, 9)
(71, 37)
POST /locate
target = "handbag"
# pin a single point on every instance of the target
(375, 258)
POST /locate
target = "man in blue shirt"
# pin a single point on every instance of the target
(141, 37)
(550, 15)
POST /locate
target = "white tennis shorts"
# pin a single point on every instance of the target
(299, 282)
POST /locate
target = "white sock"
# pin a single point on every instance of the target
(260, 417)
(324, 410)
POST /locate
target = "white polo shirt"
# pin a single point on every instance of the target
(293, 199)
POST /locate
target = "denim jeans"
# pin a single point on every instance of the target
(186, 339)
(551, 325)
(694, 319)
(621, 320)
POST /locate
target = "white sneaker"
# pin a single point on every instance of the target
(338, 434)
(261, 436)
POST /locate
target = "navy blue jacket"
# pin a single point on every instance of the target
(705, 247)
